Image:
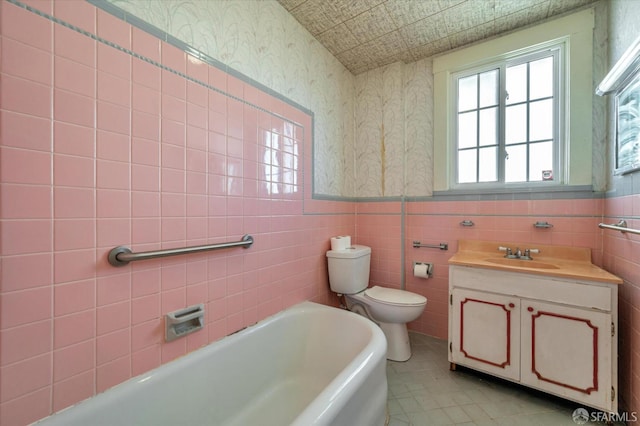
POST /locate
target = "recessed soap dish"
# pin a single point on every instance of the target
(183, 321)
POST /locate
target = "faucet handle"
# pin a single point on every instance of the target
(533, 250)
(509, 253)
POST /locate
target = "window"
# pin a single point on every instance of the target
(507, 119)
(575, 140)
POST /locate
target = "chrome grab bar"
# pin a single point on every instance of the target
(121, 255)
(620, 226)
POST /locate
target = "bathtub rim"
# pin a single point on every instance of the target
(347, 381)
(325, 405)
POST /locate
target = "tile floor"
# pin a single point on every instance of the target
(422, 391)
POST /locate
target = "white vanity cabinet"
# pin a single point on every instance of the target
(554, 334)
(484, 332)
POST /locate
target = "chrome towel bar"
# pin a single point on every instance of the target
(441, 246)
(121, 255)
(620, 226)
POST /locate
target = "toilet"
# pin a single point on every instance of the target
(390, 308)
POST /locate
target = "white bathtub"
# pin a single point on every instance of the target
(308, 365)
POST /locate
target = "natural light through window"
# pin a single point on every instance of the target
(515, 114)
(507, 120)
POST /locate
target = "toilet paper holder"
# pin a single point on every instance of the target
(429, 267)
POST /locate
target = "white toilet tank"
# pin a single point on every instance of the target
(349, 269)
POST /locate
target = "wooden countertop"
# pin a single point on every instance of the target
(555, 261)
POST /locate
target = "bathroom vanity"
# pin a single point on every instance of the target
(549, 323)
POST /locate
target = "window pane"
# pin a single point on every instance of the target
(506, 128)
(488, 127)
(541, 161)
(467, 166)
(541, 120)
(516, 164)
(488, 166)
(489, 88)
(468, 93)
(517, 84)
(541, 78)
(467, 130)
(516, 124)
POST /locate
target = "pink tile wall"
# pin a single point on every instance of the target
(379, 225)
(99, 148)
(622, 257)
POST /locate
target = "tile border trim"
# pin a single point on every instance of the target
(168, 38)
(119, 13)
(620, 188)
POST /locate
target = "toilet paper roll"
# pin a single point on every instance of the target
(341, 242)
(421, 270)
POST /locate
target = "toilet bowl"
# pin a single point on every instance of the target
(390, 308)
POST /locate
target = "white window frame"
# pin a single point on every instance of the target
(576, 156)
(557, 50)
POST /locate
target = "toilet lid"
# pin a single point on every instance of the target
(394, 297)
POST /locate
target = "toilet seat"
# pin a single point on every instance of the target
(395, 297)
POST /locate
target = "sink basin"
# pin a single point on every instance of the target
(519, 263)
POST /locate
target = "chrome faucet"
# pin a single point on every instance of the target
(518, 254)
(509, 252)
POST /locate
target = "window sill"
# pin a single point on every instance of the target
(517, 193)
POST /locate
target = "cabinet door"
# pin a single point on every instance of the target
(485, 330)
(567, 351)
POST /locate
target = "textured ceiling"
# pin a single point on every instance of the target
(367, 34)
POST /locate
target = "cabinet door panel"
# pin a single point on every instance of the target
(485, 330)
(567, 351)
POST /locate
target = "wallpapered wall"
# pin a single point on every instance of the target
(262, 41)
(366, 127)
(373, 131)
(393, 114)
